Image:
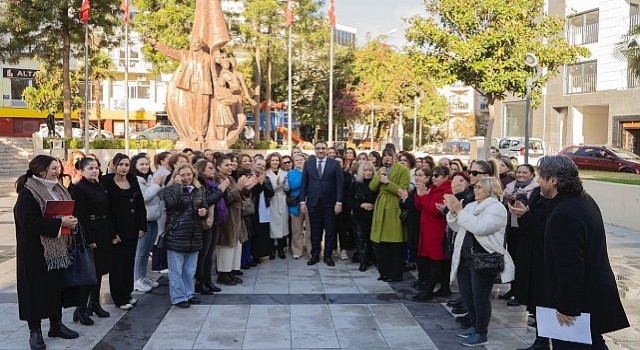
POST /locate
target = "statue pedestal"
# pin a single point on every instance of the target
(216, 145)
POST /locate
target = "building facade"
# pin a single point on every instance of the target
(594, 101)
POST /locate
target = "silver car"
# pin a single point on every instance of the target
(158, 132)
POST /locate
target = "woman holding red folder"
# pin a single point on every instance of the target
(42, 251)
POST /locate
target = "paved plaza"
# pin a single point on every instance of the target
(285, 304)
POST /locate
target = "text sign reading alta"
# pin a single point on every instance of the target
(19, 73)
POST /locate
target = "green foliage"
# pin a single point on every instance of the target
(46, 95)
(236, 146)
(483, 44)
(628, 49)
(113, 144)
(265, 145)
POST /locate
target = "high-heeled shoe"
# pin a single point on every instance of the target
(59, 330)
(96, 308)
(80, 314)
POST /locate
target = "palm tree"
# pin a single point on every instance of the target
(628, 49)
(100, 68)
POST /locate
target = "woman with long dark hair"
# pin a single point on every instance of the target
(92, 211)
(386, 229)
(151, 188)
(42, 252)
(126, 203)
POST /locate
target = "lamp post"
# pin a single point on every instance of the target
(530, 60)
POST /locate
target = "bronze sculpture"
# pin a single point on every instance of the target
(205, 96)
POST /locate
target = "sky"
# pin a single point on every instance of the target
(378, 17)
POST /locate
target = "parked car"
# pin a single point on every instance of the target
(158, 132)
(514, 147)
(603, 158)
(76, 131)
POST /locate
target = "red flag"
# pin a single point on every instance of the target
(84, 11)
(332, 13)
(124, 6)
(289, 13)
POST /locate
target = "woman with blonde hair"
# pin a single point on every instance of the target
(186, 204)
(299, 240)
(480, 226)
(361, 200)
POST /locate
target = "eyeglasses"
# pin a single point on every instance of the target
(321, 148)
(476, 173)
(435, 176)
(287, 162)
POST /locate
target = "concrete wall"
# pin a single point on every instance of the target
(618, 203)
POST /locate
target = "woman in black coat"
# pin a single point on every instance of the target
(92, 210)
(361, 200)
(532, 221)
(41, 250)
(126, 206)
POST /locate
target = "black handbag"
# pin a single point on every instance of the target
(82, 271)
(248, 208)
(487, 263)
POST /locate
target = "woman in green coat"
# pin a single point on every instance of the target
(386, 230)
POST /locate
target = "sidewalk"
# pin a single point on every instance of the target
(285, 304)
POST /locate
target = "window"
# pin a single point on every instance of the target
(139, 89)
(583, 28)
(514, 115)
(581, 77)
(17, 86)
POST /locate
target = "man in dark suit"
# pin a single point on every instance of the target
(578, 276)
(321, 193)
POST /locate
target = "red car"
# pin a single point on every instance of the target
(603, 158)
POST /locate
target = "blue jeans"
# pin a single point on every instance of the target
(475, 290)
(182, 269)
(145, 243)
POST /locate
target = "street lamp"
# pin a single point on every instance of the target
(530, 60)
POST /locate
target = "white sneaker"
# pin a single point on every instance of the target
(133, 301)
(344, 255)
(140, 286)
(126, 307)
(150, 282)
(296, 257)
(164, 271)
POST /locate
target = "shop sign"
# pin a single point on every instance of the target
(19, 73)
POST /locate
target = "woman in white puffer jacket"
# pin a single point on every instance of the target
(151, 190)
(480, 227)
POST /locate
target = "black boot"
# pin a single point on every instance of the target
(363, 266)
(213, 287)
(225, 279)
(423, 296)
(272, 256)
(281, 254)
(443, 292)
(203, 289)
(80, 314)
(237, 279)
(35, 340)
(57, 329)
(539, 344)
(96, 308)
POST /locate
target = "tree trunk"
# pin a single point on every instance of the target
(257, 82)
(267, 97)
(66, 80)
(489, 135)
(97, 93)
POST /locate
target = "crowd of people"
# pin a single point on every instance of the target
(202, 213)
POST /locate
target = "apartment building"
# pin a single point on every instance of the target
(468, 112)
(594, 101)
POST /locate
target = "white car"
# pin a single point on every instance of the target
(158, 132)
(514, 147)
(76, 131)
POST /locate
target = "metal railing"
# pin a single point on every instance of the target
(583, 35)
(629, 79)
(581, 84)
(634, 21)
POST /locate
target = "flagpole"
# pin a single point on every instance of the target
(86, 88)
(290, 104)
(331, 89)
(126, 84)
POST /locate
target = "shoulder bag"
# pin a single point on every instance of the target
(82, 271)
(487, 263)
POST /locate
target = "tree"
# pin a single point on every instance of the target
(483, 44)
(47, 95)
(628, 49)
(50, 31)
(100, 68)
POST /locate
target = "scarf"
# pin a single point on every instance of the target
(521, 184)
(56, 253)
(221, 206)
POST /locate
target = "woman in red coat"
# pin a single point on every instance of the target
(433, 224)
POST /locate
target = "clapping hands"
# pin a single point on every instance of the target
(454, 205)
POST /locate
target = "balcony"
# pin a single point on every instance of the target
(586, 34)
(580, 84)
(459, 88)
(634, 21)
(629, 79)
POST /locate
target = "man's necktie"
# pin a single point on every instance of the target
(320, 168)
